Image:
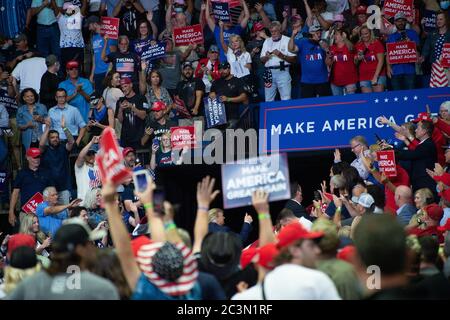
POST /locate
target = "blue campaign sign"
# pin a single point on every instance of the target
(150, 52)
(215, 112)
(221, 11)
(7, 101)
(241, 179)
(330, 122)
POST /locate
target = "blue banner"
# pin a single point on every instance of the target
(150, 52)
(241, 179)
(214, 112)
(7, 101)
(330, 122)
(221, 11)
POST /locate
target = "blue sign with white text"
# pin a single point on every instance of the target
(330, 122)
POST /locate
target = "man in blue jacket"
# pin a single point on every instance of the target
(217, 223)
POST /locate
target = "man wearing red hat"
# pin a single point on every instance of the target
(78, 89)
(131, 111)
(156, 123)
(28, 182)
(428, 225)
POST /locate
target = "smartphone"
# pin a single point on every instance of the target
(158, 199)
(141, 180)
(155, 142)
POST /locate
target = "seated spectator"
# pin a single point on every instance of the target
(86, 170)
(78, 89)
(50, 214)
(79, 212)
(30, 118)
(49, 82)
(93, 204)
(69, 116)
(100, 116)
(30, 225)
(217, 224)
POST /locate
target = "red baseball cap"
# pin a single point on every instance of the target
(20, 240)
(434, 211)
(158, 106)
(347, 253)
(293, 232)
(423, 116)
(266, 255)
(33, 152)
(247, 256)
(127, 150)
(361, 10)
(445, 227)
(125, 80)
(73, 64)
(258, 26)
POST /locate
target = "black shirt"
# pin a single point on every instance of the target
(56, 162)
(129, 18)
(230, 88)
(159, 129)
(132, 125)
(49, 85)
(186, 90)
(127, 64)
(29, 182)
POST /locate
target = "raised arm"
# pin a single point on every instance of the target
(205, 195)
(222, 40)
(260, 201)
(80, 159)
(265, 19)
(152, 24)
(117, 8)
(309, 19)
(138, 6)
(246, 17)
(209, 19)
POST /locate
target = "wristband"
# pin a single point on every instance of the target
(65, 129)
(338, 209)
(170, 226)
(206, 209)
(148, 206)
(228, 99)
(262, 216)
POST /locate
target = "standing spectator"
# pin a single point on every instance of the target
(295, 203)
(100, 116)
(403, 75)
(99, 67)
(78, 89)
(162, 153)
(48, 33)
(108, 6)
(216, 223)
(70, 21)
(254, 46)
(131, 111)
(4, 123)
(276, 58)
(30, 117)
(191, 91)
(29, 79)
(72, 246)
(123, 61)
(153, 89)
(50, 214)
(28, 181)
(228, 29)
(157, 123)
(144, 36)
(50, 81)
(343, 75)
(229, 90)
(112, 92)
(370, 61)
(22, 51)
(65, 114)
(314, 57)
(55, 158)
(208, 68)
(86, 170)
(403, 200)
(359, 147)
(129, 12)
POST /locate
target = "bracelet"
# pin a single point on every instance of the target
(206, 209)
(262, 216)
(148, 206)
(170, 226)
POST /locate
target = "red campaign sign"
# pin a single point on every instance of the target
(401, 52)
(391, 7)
(110, 160)
(186, 35)
(181, 137)
(110, 27)
(446, 55)
(31, 205)
(386, 163)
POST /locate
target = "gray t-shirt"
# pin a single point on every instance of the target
(70, 286)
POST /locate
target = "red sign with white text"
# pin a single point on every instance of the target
(386, 163)
(110, 160)
(183, 137)
(31, 205)
(401, 52)
(186, 35)
(110, 27)
(446, 55)
(391, 7)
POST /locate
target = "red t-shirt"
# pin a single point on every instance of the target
(344, 69)
(402, 179)
(368, 65)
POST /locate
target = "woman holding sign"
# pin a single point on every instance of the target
(144, 37)
(162, 153)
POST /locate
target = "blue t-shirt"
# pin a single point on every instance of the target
(52, 222)
(79, 101)
(97, 46)
(226, 37)
(312, 61)
(403, 68)
(56, 161)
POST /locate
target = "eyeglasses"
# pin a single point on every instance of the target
(354, 147)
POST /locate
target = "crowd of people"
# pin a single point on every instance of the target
(62, 83)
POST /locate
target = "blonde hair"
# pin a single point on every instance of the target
(165, 134)
(14, 276)
(90, 199)
(26, 225)
(372, 35)
(213, 213)
(426, 195)
(241, 43)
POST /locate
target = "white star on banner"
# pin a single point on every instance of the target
(415, 98)
(405, 98)
(376, 100)
(386, 100)
(395, 99)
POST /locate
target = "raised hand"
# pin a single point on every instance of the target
(260, 201)
(74, 203)
(205, 193)
(438, 170)
(150, 15)
(248, 218)
(337, 155)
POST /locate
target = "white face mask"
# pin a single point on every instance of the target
(444, 4)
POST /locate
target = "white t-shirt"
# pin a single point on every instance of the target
(87, 178)
(292, 282)
(237, 64)
(70, 28)
(22, 72)
(111, 96)
(281, 45)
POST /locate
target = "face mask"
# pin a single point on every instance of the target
(444, 5)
